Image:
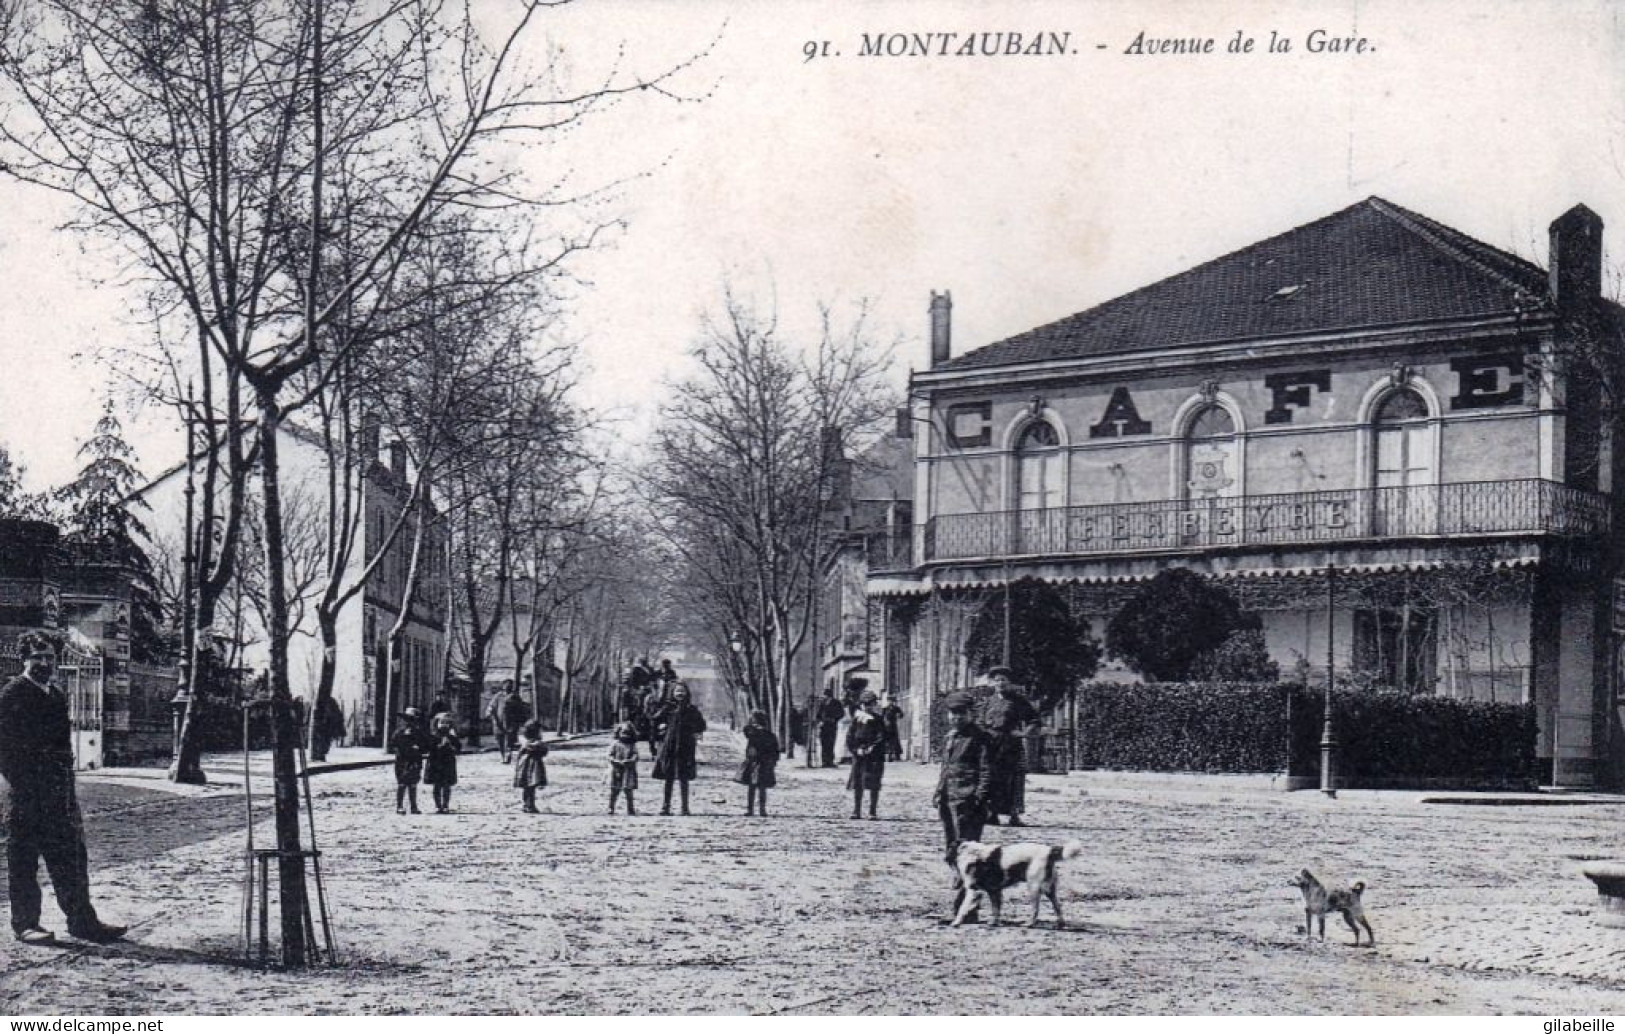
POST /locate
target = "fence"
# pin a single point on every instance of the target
(1526, 506)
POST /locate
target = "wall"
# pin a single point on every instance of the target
(1123, 438)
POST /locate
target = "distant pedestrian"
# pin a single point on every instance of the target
(1008, 716)
(529, 770)
(678, 727)
(39, 807)
(623, 766)
(667, 674)
(758, 771)
(964, 783)
(499, 730)
(866, 741)
(327, 727)
(892, 717)
(828, 715)
(441, 770)
(515, 713)
(655, 700)
(410, 745)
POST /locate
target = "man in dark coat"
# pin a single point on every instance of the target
(515, 713)
(667, 676)
(678, 725)
(964, 784)
(39, 812)
(1007, 716)
(892, 716)
(829, 715)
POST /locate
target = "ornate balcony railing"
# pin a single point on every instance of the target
(1530, 506)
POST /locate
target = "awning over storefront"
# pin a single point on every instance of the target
(1130, 572)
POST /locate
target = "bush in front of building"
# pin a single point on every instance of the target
(1391, 740)
(1183, 726)
(1243, 657)
(1050, 648)
(1171, 622)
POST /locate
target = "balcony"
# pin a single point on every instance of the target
(1468, 509)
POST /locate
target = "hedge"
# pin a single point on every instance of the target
(1386, 739)
(1183, 726)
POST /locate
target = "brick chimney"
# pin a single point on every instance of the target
(1575, 260)
(942, 321)
(397, 458)
(368, 444)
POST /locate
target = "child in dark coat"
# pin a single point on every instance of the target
(866, 740)
(623, 766)
(529, 770)
(757, 771)
(410, 745)
(441, 771)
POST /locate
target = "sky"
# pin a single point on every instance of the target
(1031, 187)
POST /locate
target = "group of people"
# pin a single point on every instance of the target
(984, 771)
(829, 713)
(425, 752)
(657, 707)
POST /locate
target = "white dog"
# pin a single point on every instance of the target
(987, 870)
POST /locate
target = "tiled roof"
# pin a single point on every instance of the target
(1373, 264)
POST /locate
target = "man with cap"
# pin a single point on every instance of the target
(1007, 716)
(965, 782)
(39, 810)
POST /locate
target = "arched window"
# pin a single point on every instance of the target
(1040, 519)
(1039, 468)
(1404, 451)
(1211, 454)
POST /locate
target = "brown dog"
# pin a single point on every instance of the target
(1318, 900)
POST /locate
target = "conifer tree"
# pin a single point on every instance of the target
(102, 527)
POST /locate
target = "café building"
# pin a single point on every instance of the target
(1379, 434)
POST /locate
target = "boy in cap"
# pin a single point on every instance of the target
(964, 784)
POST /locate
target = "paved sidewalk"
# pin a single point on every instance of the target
(1179, 905)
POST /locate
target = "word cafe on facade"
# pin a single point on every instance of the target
(1372, 394)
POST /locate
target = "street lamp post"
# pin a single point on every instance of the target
(185, 768)
(1328, 738)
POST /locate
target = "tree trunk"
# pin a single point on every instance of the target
(320, 739)
(284, 727)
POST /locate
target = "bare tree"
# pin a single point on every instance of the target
(230, 149)
(745, 468)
